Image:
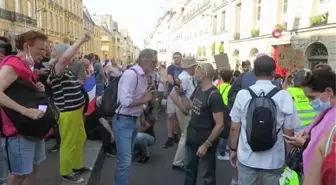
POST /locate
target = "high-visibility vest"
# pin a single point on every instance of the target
(301, 101)
(289, 177)
(224, 89)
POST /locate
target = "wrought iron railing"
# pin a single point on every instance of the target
(5, 14)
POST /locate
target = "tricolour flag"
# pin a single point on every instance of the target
(90, 89)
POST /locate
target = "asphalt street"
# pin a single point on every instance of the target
(158, 171)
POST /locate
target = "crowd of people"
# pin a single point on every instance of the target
(273, 130)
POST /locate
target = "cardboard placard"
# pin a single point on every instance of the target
(222, 61)
(290, 58)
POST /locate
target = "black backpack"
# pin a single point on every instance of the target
(261, 122)
(110, 97)
(32, 98)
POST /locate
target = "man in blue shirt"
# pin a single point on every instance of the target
(173, 71)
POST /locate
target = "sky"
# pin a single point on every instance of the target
(137, 16)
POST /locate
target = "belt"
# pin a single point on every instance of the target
(128, 116)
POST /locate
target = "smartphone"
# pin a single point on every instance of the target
(285, 136)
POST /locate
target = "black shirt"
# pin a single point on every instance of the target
(202, 122)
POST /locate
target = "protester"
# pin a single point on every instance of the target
(172, 71)
(320, 87)
(5, 50)
(31, 46)
(97, 128)
(68, 96)
(132, 95)
(206, 124)
(99, 73)
(253, 149)
(146, 134)
(324, 67)
(301, 101)
(224, 89)
(183, 90)
(323, 168)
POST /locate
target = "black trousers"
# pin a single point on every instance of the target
(191, 162)
(101, 133)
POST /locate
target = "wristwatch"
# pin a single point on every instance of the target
(208, 143)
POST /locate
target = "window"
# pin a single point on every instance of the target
(223, 21)
(285, 6)
(50, 23)
(17, 6)
(259, 10)
(30, 9)
(238, 11)
(214, 31)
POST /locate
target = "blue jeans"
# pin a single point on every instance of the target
(23, 154)
(124, 129)
(222, 147)
(3, 163)
(143, 141)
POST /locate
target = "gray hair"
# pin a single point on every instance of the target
(146, 53)
(300, 76)
(57, 52)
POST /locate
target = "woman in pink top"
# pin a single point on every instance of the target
(320, 87)
(23, 155)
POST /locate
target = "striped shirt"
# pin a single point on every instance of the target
(66, 91)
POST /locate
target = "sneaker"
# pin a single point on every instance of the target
(234, 182)
(226, 157)
(73, 178)
(111, 154)
(168, 143)
(54, 149)
(82, 170)
(143, 160)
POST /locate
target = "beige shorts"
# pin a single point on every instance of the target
(171, 107)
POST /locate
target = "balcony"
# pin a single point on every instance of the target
(5, 14)
(17, 17)
(220, 4)
(194, 11)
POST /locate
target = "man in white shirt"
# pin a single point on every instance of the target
(181, 95)
(271, 161)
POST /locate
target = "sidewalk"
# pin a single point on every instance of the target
(48, 173)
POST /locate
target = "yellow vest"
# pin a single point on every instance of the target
(301, 101)
(224, 89)
(289, 177)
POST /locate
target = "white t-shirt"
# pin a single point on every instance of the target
(287, 116)
(187, 83)
(161, 87)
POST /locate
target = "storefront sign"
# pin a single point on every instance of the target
(290, 58)
(278, 33)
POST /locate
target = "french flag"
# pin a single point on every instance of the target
(90, 89)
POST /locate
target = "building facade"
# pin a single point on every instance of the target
(17, 17)
(89, 26)
(245, 28)
(60, 20)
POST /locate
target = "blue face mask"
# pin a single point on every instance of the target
(319, 105)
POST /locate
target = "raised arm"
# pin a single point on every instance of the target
(68, 55)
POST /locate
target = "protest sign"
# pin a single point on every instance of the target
(290, 58)
(222, 61)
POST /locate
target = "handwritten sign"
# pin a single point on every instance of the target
(222, 61)
(290, 58)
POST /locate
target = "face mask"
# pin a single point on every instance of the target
(319, 105)
(29, 57)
